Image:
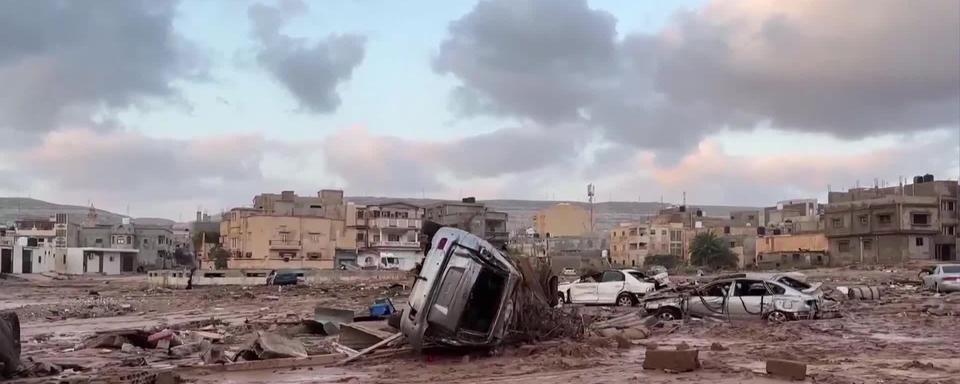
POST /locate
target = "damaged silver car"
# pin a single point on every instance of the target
(738, 297)
(463, 295)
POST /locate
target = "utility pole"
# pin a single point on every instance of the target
(590, 193)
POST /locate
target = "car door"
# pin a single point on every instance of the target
(709, 300)
(749, 300)
(611, 284)
(584, 291)
(930, 278)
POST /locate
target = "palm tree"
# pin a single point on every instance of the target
(711, 251)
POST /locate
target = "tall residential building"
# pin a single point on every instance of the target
(473, 217)
(892, 225)
(793, 216)
(563, 219)
(388, 235)
(630, 244)
(285, 231)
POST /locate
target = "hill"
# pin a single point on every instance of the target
(12, 208)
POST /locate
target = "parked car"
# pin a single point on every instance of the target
(745, 296)
(284, 277)
(611, 287)
(941, 278)
(463, 294)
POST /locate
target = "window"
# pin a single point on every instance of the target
(885, 219)
(733, 244)
(633, 263)
(863, 219)
(609, 276)
(313, 255)
(633, 246)
(633, 231)
(750, 288)
(249, 255)
(919, 242)
(843, 246)
(920, 219)
(949, 230)
(796, 257)
(146, 241)
(867, 244)
(751, 217)
(663, 232)
(315, 237)
(360, 237)
(836, 222)
(717, 289)
(948, 205)
(360, 214)
(111, 259)
(98, 241)
(726, 230)
(393, 237)
(776, 289)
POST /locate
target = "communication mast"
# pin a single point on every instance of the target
(590, 193)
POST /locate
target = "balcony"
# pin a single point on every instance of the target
(284, 244)
(396, 244)
(383, 222)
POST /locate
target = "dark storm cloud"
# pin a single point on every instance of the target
(838, 68)
(311, 72)
(64, 60)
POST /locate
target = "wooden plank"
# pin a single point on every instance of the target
(271, 364)
(371, 348)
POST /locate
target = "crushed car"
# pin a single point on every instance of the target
(772, 297)
(622, 287)
(463, 294)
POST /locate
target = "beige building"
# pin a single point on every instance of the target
(893, 225)
(285, 231)
(560, 220)
(630, 244)
(802, 249)
(473, 217)
(388, 235)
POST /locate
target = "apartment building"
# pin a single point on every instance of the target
(285, 231)
(387, 236)
(630, 244)
(563, 219)
(793, 216)
(473, 217)
(892, 225)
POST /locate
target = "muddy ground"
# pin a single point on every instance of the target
(908, 336)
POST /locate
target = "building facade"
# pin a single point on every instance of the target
(387, 236)
(285, 231)
(792, 250)
(630, 244)
(472, 217)
(563, 219)
(893, 225)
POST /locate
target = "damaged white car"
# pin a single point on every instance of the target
(613, 287)
(743, 296)
(463, 294)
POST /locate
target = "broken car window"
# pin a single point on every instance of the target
(610, 276)
(794, 283)
(776, 289)
(716, 289)
(951, 268)
(750, 288)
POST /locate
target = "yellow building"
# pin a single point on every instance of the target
(287, 231)
(790, 250)
(630, 245)
(561, 220)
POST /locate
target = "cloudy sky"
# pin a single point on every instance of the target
(165, 107)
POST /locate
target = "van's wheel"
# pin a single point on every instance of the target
(777, 317)
(626, 299)
(669, 314)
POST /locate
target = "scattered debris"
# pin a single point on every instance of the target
(787, 369)
(717, 347)
(9, 343)
(672, 361)
(268, 345)
(864, 293)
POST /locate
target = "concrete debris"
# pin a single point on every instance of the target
(130, 348)
(864, 293)
(787, 369)
(9, 343)
(184, 350)
(717, 347)
(672, 361)
(268, 345)
(212, 354)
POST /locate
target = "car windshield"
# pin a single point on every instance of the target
(637, 275)
(951, 268)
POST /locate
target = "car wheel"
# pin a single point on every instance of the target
(669, 314)
(777, 317)
(626, 299)
(560, 297)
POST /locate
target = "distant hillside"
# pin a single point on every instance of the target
(12, 208)
(607, 214)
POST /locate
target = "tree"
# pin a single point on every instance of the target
(709, 250)
(219, 256)
(182, 257)
(667, 261)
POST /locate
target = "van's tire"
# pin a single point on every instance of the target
(668, 314)
(626, 299)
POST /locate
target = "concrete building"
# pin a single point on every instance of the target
(792, 250)
(387, 236)
(154, 245)
(892, 225)
(630, 244)
(285, 231)
(472, 217)
(563, 219)
(793, 216)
